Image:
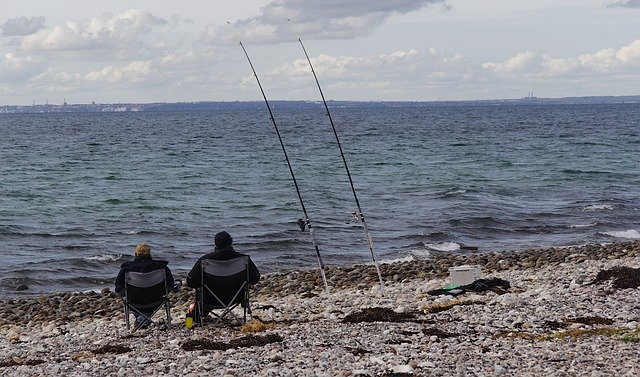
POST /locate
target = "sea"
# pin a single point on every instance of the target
(78, 191)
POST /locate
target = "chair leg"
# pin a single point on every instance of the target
(168, 310)
(126, 317)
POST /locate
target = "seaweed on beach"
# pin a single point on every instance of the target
(14, 361)
(439, 333)
(117, 349)
(247, 341)
(555, 325)
(396, 374)
(437, 308)
(356, 351)
(378, 315)
(623, 277)
(624, 335)
(590, 320)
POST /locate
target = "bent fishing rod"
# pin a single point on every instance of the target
(346, 167)
(312, 231)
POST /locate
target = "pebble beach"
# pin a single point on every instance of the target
(568, 312)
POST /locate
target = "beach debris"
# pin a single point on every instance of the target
(14, 361)
(246, 341)
(378, 315)
(256, 325)
(496, 285)
(623, 277)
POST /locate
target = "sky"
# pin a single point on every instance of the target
(139, 51)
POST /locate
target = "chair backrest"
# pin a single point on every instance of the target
(144, 288)
(225, 278)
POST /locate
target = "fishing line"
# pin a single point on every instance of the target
(312, 231)
(344, 161)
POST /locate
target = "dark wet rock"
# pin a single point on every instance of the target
(22, 287)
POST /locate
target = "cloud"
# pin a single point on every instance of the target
(398, 75)
(623, 60)
(21, 26)
(134, 72)
(624, 4)
(120, 37)
(521, 62)
(332, 19)
(15, 69)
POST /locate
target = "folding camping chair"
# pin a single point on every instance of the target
(224, 286)
(144, 294)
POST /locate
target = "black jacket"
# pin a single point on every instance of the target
(142, 264)
(193, 278)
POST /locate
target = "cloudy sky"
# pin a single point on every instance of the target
(173, 51)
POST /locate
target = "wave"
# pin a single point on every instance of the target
(454, 192)
(140, 232)
(443, 246)
(104, 257)
(630, 234)
(580, 226)
(114, 201)
(599, 207)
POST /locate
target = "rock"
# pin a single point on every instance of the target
(22, 287)
(408, 369)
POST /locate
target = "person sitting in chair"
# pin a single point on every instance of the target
(223, 251)
(144, 263)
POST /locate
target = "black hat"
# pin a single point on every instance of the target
(223, 239)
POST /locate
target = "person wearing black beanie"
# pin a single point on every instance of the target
(223, 251)
(222, 240)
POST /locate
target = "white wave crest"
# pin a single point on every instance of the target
(443, 246)
(631, 234)
(578, 226)
(455, 192)
(104, 258)
(599, 207)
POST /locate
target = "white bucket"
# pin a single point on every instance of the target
(463, 275)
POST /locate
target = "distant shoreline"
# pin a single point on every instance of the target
(299, 105)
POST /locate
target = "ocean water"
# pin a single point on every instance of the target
(79, 191)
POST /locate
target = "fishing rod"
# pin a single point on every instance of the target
(344, 161)
(307, 222)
